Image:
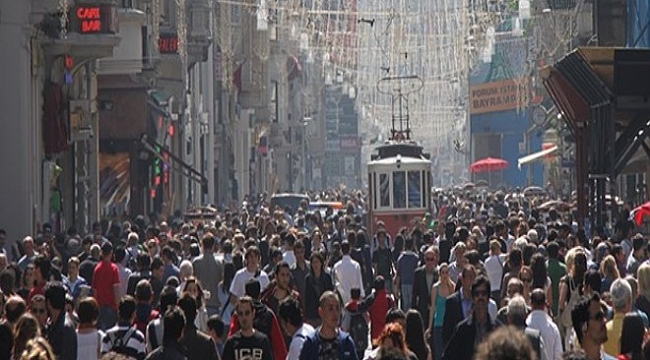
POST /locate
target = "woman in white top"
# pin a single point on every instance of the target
(88, 337)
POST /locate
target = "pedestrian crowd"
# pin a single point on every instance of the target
(490, 277)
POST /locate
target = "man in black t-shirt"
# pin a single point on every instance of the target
(247, 343)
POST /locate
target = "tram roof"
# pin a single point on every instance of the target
(403, 160)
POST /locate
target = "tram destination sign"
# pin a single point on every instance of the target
(495, 96)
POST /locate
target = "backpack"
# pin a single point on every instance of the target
(574, 296)
(359, 332)
(119, 344)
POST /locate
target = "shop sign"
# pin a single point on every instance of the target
(349, 142)
(168, 44)
(94, 19)
(495, 96)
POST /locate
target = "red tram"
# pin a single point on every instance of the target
(399, 178)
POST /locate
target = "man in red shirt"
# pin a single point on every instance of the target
(106, 283)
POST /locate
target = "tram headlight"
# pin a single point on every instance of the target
(399, 161)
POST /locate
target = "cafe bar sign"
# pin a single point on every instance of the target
(94, 18)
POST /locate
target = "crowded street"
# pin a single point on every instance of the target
(325, 180)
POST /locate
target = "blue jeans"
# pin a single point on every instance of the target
(407, 295)
(107, 318)
(437, 343)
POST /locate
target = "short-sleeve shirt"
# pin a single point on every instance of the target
(105, 276)
(384, 259)
(406, 265)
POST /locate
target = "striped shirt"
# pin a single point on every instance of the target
(121, 339)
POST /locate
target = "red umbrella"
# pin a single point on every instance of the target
(488, 164)
(638, 213)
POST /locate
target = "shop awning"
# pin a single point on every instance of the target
(535, 156)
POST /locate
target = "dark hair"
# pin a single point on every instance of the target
(280, 265)
(207, 241)
(345, 247)
(174, 322)
(215, 323)
(538, 269)
(481, 280)
(580, 314)
(119, 253)
(228, 274)
(187, 303)
(126, 308)
(253, 288)
(143, 290)
(632, 335)
(55, 293)
(156, 263)
(88, 311)
(143, 261)
(7, 281)
(43, 263)
(552, 249)
(415, 334)
(168, 297)
(538, 297)
(593, 279)
(355, 293)
(13, 313)
(290, 312)
(395, 314)
(514, 257)
(168, 252)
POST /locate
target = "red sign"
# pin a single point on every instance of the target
(94, 19)
(168, 44)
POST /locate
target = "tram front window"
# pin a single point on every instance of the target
(384, 190)
(399, 190)
(415, 188)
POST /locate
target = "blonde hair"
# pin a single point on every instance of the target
(570, 256)
(608, 267)
(643, 277)
(38, 349)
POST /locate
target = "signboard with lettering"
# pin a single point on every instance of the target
(168, 43)
(494, 96)
(349, 142)
(94, 19)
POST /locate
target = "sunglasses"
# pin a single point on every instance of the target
(526, 280)
(38, 310)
